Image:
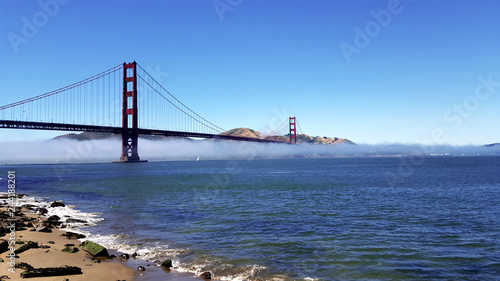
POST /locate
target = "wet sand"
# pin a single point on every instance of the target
(49, 254)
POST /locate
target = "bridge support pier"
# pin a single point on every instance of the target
(130, 132)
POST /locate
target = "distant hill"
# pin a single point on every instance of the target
(322, 140)
(242, 132)
(87, 136)
(302, 138)
(238, 132)
(492, 144)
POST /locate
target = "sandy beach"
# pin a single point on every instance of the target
(49, 253)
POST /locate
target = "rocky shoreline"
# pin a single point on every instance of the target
(34, 245)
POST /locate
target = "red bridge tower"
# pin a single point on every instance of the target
(130, 132)
(292, 132)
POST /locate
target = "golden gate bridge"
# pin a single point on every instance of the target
(108, 102)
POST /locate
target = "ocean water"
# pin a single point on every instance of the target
(372, 218)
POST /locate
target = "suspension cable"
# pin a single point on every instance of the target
(299, 127)
(281, 127)
(214, 127)
(60, 90)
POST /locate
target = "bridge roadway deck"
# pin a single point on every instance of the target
(8, 124)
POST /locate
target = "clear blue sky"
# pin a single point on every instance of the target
(238, 62)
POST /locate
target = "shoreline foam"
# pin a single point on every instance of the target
(50, 255)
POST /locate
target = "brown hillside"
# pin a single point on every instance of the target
(242, 132)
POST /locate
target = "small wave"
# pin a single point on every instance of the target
(183, 260)
(70, 217)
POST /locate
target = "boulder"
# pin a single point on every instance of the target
(94, 249)
(124, 256)
(167, 264)
(57, 204)
(206, 275)
(53, 218)
(23, 265)
(70, 220)
(4, 245)
(72, 235)
(41, 211)
(28, 207)
(26, 246)
(51, 271)
(70, 249)
(141, 268)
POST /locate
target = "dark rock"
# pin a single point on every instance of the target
(124, 256)
(23, 265)
(112, 257)
(28, 207)
(70, 249)
(53, 218)
(57, 204)
(4, 245)
(134, 255)
(26, 246)
(70, 220)
(41, 211)
(51, 271)
(141, 268)
(206, 275)
(96, 260)
(51, 242)
(72, 235)
(94, 249)
(167, 264)
(44, 246)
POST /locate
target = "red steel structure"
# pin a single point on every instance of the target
(292, 131)
(130, 129)
(35, 112)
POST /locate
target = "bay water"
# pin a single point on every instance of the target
(358, 218)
